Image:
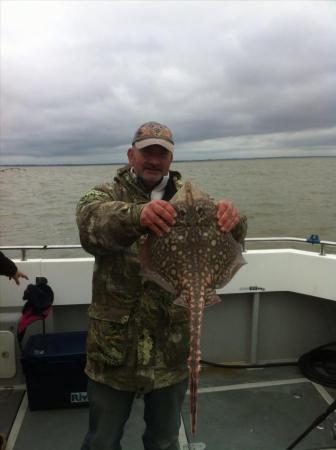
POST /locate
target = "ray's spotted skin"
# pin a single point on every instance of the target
(194, 259)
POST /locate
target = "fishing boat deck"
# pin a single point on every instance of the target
(279, 309)
(239, 409)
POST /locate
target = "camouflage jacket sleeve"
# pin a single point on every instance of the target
(106, 224)
(240, 230)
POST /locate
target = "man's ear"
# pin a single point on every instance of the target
(130, 154)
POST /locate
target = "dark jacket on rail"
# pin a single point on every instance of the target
(7, 267)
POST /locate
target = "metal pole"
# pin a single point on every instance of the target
(255, 328)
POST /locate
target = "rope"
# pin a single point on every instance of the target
(319, 365)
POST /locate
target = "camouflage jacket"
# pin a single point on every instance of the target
(138, 339)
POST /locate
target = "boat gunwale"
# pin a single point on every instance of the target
(273, 239)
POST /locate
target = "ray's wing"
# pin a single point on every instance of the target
(152, 266)
(229, 260)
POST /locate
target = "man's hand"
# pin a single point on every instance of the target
(17, 277)
(227, 215)
(158, 216)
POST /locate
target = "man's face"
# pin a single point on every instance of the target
(150, 163)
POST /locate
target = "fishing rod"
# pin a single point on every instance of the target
(319, 366)
(331, 408)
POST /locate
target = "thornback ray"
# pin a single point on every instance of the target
(191, 261)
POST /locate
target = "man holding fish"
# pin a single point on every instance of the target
(138, 339)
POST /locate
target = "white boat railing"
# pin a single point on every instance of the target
(24, 248)
(313, 239)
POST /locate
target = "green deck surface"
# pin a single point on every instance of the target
(239, 417)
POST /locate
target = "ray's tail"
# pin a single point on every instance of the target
(193, 385)
(196, 313)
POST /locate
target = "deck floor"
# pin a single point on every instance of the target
(263, 409)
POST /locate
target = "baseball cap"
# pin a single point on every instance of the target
(153, 133)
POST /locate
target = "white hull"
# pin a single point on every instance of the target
(279, 305)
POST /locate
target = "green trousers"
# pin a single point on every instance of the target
(110, 409)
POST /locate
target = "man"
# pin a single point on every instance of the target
(138, 340)
(9, 269)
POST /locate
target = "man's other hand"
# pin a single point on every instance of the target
(227, 215)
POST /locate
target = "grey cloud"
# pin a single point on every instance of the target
(214, 72)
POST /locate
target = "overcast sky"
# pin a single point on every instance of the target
(231, 79)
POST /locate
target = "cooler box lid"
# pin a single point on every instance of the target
(55, 345)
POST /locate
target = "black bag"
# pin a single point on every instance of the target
(39, 298)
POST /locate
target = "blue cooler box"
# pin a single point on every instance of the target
(54, 368)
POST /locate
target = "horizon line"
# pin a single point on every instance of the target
(174, 161)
